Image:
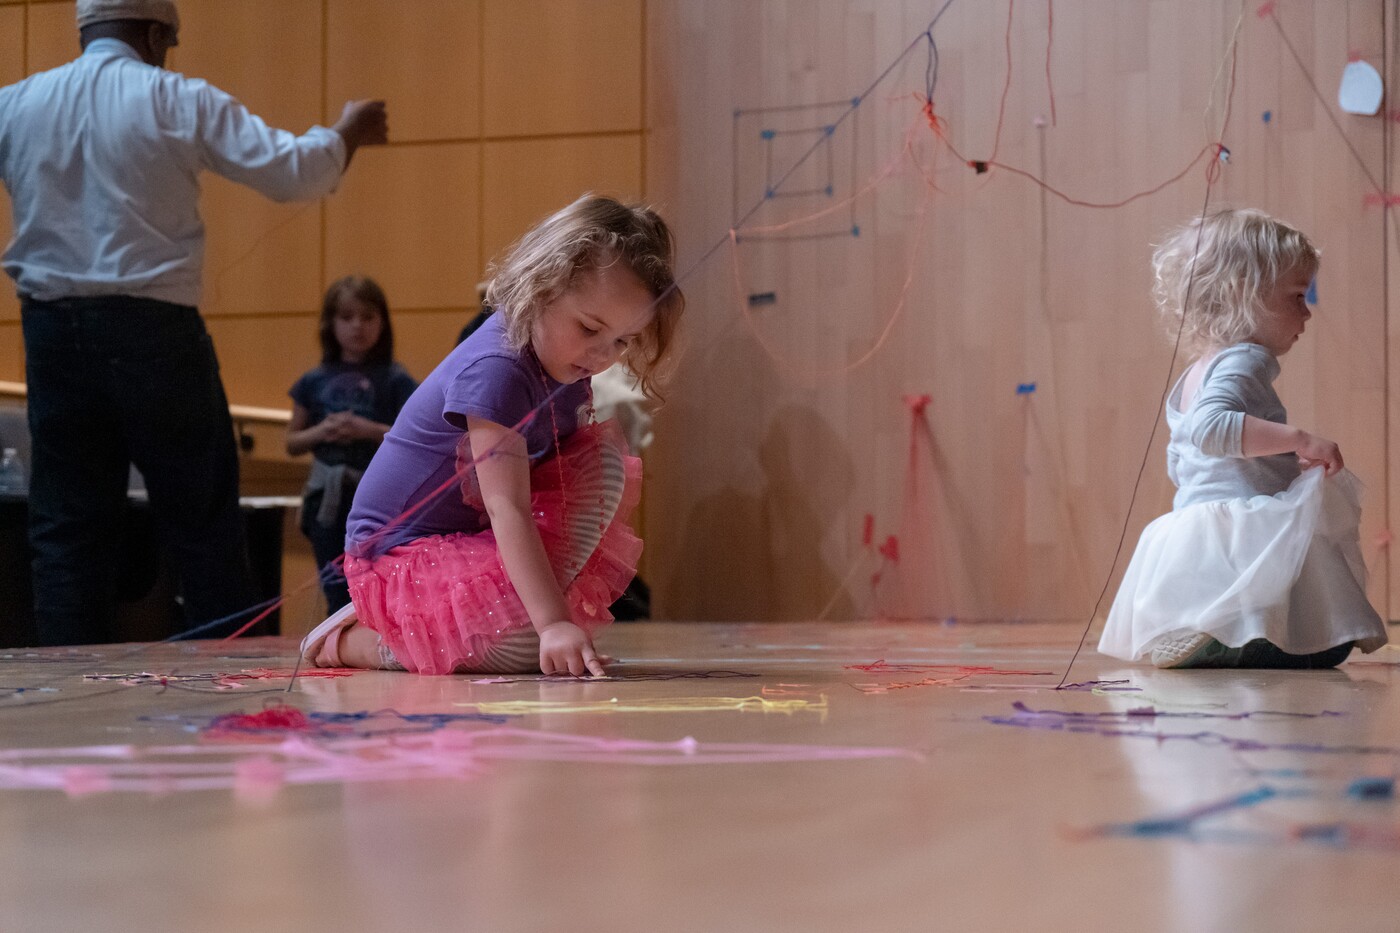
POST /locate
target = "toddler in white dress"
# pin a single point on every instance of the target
(1258, 564)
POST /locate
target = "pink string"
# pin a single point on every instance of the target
(297, 759)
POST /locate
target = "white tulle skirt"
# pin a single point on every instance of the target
(1285, 568)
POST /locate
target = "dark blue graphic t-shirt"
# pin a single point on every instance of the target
(375, 391)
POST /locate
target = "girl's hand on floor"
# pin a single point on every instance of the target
(1319, 451)
(566, 649)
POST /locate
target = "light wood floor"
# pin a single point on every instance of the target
(651, 804)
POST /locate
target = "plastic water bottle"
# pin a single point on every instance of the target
(12, 478)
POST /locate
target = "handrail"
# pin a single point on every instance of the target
(243, 414)
(246, 413)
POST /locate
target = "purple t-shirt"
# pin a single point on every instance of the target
(482, 378)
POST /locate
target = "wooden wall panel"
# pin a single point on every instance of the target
(1015, 502)
(260, 257)
(407, 216)
(425, 65)
(536, 51)
(423, 338)
(523, 181)
(11, 352)
(263, 356)
(52, 36)
(266, 53)
(12, 40)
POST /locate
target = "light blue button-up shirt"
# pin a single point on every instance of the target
(102, 157)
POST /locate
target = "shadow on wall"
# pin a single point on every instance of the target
(756, 555)
(936, 532)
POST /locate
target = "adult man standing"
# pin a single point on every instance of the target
(101, 158)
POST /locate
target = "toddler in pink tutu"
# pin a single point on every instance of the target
(1259, 563)
(489, 533)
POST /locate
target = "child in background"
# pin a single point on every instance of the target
(1258, 564)
(509, 566)
(340, 412)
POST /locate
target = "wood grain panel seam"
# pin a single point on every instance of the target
(642, 91)
(509, 138)
(481, 122)
(292, 313)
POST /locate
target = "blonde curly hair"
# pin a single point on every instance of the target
(593, 232)
(1238, 255)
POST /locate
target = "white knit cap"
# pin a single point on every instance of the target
(102, 11)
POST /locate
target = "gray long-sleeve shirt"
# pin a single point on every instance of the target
(1204, 458)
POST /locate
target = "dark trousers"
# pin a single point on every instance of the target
(327, 543)
(116, 380)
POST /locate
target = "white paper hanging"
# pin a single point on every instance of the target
(1361, 89)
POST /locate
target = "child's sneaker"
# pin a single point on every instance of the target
(1193, 649)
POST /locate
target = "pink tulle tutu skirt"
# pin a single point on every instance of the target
(441, 603)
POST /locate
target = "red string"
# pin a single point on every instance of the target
(256, 619)
(939, 127)
(281, 601)
(885, 667)
(272, 719)
(1212, 147)
(890, 549)
(935, 122)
